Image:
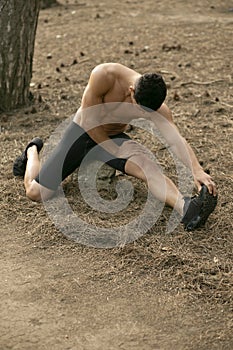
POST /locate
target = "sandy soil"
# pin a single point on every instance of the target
(163, 291)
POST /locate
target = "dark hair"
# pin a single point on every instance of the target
(150, 91)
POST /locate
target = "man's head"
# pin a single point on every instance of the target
(150, 91)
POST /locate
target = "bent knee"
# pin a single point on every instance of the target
(37, 193)
(142, 167)
(33, 193)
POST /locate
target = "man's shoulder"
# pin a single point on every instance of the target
(102, 74)
(165, 111)
(103, 69)
(111, 68)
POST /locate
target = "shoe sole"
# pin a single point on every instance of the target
(208, 206)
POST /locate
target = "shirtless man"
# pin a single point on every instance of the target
(97, 125)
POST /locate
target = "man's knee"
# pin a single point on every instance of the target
(33, 193)
(142, 167)
(38, 193)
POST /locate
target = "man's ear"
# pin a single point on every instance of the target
(131, 91)
(131, 88)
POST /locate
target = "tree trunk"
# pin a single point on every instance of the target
(18, 22)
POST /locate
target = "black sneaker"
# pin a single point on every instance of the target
(208, 207)
(19, 166)
(197, 209)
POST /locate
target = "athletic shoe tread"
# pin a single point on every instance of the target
(208, 207)
(198, 209)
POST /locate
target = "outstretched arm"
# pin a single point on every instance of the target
(182, 149)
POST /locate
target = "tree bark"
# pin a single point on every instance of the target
(18, 23)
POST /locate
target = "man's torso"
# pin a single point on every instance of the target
(118, 94)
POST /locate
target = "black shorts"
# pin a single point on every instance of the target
(69, 153)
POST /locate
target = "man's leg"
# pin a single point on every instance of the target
(160, 185)
(27, 165)
(34, 190)
(194, 211)
(42, 182)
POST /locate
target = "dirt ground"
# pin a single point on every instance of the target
(163, 291)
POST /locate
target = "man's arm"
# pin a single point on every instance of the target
(182, 149)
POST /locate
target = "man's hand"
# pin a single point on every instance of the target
(202, 178)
